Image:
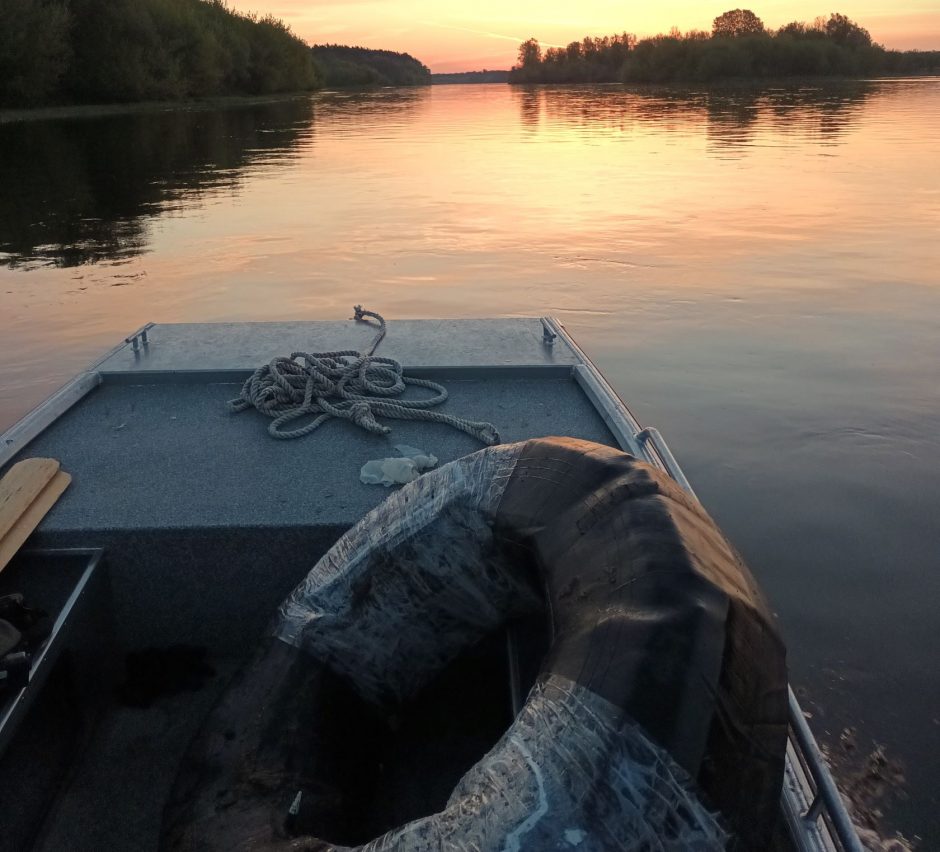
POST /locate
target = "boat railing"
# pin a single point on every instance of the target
(816, 817)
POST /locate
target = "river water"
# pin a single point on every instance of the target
(756, 271)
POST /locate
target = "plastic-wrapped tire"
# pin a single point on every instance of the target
(658, 720)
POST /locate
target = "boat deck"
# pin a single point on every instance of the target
(172, 456)
(189, 498)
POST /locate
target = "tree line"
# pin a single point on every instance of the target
(107, 51)
(132, 50)
(739, 45)
(360, 66)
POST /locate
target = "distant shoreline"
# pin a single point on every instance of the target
(722, 83)
(735, 82)
(65, 111)
(72, 111)
(485, 76)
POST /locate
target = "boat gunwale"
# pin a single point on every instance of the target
(813, 811)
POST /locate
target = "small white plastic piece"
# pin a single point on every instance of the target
(395, 470)
(423, 460)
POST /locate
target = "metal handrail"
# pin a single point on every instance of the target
(826, 801)
(650, 436)
(816, 813)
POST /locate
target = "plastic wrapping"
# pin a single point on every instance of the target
(397, 470)
(413, 583)
(420, 579)
(664, 676)
(571, 773)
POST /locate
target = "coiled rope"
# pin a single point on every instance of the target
(351, 385)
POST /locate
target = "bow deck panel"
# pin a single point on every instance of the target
(195, 503)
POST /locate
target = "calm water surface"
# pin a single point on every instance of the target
(756, 272)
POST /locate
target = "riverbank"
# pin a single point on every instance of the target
(731, 84)
(68, 111)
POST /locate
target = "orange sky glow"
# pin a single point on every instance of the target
(486, 33)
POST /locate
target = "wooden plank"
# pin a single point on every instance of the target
(29, 519)
(21, 486)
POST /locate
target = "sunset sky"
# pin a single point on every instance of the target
(486, 33)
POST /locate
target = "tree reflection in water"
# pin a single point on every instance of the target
(79, 191)
(730, 114)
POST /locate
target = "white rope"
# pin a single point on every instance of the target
(351, 385)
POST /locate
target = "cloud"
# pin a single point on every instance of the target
(513, 38)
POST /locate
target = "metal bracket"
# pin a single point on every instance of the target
(139, 338)
(548, 336)
(815, 809)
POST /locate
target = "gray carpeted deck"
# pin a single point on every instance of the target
(165, 456)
